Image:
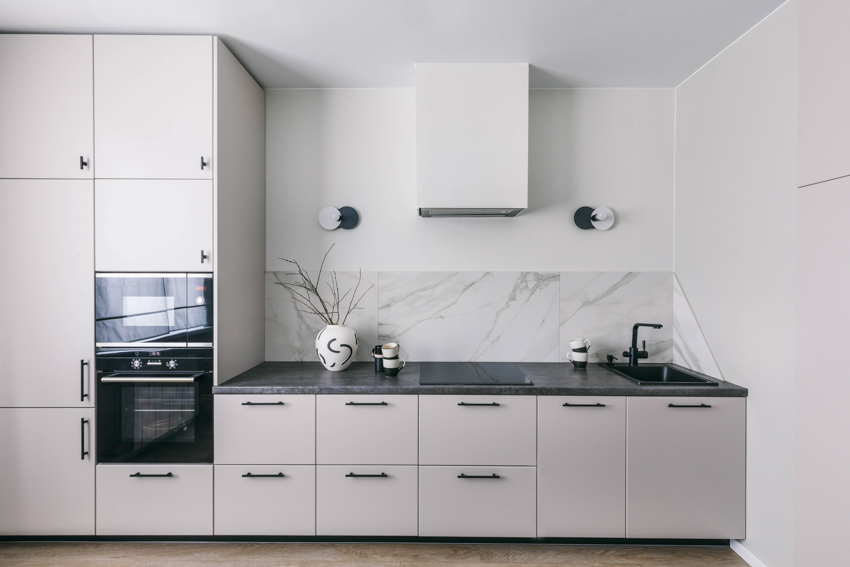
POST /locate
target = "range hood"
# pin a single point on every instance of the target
(471, 140)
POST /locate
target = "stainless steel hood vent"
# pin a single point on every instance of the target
(469, 212)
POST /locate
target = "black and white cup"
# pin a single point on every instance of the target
(392, 366)
(579, 359)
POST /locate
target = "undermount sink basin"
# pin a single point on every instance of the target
(659, 375)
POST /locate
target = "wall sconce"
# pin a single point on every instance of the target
(344, 217)
(600, 219)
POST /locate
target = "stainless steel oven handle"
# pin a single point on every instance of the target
(184, 380)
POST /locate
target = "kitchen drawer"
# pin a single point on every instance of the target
(477, 430)
(366, 505)
(504, 506)
(265, 505)
(265, 429)
(367, 430)
(179, 504)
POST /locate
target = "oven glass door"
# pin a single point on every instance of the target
(199, 310)
(140, 309)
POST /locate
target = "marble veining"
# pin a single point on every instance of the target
(690, 349)
(470, 316)
(603, 306)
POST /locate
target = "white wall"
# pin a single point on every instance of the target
(356, 147)
(735, 231)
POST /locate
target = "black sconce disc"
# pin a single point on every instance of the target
(348, 217)
(581, 218)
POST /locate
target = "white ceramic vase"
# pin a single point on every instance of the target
(336, 346)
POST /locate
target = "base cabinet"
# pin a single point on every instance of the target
(265, 500)
(366, 501)
(46, 472)
(156, 500)
(477, 501)
(686, 473)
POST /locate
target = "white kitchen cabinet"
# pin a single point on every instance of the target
(265, 429)
(153, 106)
(477, 430)
(155, 500)
(477, 501)
(46, 98)
(265, 500)
(47, 471)
(581, 466)
(686, 467)
(153, 225)
(366, 501)
(366, 430)
(46, 293)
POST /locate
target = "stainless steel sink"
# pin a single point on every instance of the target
(659, 375)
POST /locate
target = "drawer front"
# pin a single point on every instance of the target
(581, 466)
(366, 505)
(477, 430)
(256, 500)
(265, 429)
(450, 506)
(180, 504)
(367, 430)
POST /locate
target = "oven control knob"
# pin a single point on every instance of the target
(172, 364)
(136, 363)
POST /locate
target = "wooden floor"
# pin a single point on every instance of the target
(359, 554)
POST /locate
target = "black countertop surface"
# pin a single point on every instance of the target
(549, 378)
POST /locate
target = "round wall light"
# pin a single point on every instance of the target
(331, 218)
(588, 217)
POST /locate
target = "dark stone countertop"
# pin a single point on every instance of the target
(549, 378)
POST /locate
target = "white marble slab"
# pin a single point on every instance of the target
(470, 316)
(690, 349)
(603, 307)
(291, 334)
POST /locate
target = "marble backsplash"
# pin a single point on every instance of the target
(501, 316)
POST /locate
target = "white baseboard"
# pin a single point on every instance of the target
(745, 553)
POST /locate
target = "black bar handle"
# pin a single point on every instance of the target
(461, 475)
(367, 404)
(203, 163)
(83, 395)
(251, 475)
(352, 475)
(140, 475)
(83, 452)
(687, 406)
(203, 256)
(262, 403)
(584, 405)
(83, 163)
(493, 404)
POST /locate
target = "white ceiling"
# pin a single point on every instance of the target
(374, 43)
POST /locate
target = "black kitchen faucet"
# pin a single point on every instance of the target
(634, 354)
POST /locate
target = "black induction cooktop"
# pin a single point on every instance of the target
(471, 374)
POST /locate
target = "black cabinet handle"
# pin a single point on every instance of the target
(352, 475)
(367, 404)
(203, 256)
(203, 163)
(83, 395)
(83, 452)
(584, 405)
(461, 475)
(140, 475)
(687, 406)
(251, 475)
(83, 163)
(262, 403)
(494, 404)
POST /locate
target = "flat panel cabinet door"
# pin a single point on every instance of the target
(265, 429)
(256, 500)
(46, 98)
(47, 471)
(686, 468)
(366, 430)
(154, 226)
(46, 293)
(581, 466)
(366, 501)
(477, 501)
(477, 430)
(153, 106)
(155, 500)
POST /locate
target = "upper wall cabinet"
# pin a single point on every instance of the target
(153, 106)
(46, 106)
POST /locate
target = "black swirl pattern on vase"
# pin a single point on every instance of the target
(330, 348)
(350, 353)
